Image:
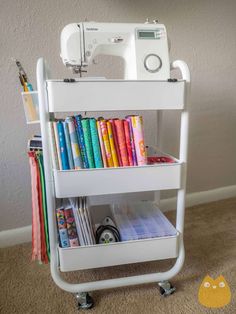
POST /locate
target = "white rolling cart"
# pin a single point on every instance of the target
(88, 95)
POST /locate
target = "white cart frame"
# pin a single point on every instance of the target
(57, 96)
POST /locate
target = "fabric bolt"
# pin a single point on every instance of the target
(121, 141)
(95, 143)
(106, 142)
(128, 142)
(81, 140)
(137, 125)
(88, 142)
(68, 146)
(57, 144)
(74, 144)
(112, 144)
(54, 153)
(62, 144)
(134, 157)
(116, 142)
(103, 152)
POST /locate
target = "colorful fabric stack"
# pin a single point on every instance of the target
(82, 143)
(40, 237)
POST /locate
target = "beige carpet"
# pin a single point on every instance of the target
(210, 241)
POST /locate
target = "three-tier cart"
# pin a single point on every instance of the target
(58, 96)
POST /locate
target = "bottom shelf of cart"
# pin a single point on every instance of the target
(127, 252)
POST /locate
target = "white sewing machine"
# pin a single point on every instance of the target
(144, 47)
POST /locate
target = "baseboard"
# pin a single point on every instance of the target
(23, 235)
(202, 197)
(15, 236)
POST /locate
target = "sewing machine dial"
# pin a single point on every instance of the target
(152, 63)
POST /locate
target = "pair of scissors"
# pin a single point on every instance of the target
(23, 77)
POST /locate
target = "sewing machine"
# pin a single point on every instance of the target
(144, 47)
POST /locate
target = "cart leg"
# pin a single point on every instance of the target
(84, 300)
(166, 288)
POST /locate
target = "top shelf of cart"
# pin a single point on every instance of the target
(114, 95)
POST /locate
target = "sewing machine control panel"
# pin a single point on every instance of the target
(150, 34)
(152, 54)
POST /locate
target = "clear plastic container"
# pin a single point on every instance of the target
(31, 106)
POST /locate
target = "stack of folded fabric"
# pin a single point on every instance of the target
(82, 143)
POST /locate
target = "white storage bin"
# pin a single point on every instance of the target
(119, 253)
(111, 95)
(72, 183)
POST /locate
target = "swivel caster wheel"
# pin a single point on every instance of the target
(84, 301)
(166, 288)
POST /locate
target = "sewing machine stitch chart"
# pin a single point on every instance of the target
(146, 86)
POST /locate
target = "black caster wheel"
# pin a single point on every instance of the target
(166, 288)
(84, 301)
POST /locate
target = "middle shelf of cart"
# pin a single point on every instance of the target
(88, 182)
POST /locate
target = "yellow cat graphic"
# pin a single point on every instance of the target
(214, 293)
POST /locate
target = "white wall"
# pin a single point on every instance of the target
(202, 33)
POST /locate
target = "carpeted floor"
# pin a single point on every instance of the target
(210, 241)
